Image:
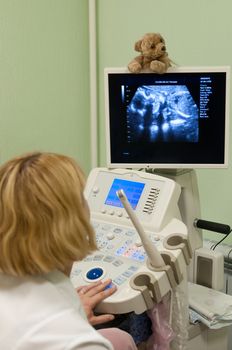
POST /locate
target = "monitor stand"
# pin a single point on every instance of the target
(200, 337)
(189, 204)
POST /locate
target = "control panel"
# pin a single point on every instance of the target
(121, 255)
(153, 198)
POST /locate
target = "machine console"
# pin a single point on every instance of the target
(121, 254)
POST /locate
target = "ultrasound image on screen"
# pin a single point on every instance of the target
(177, 118)
(162, 113)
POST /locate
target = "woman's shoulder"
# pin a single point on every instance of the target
(48, 310)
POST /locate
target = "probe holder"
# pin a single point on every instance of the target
(146, 282)
(171, 268)
(179, 241)
(148, 286)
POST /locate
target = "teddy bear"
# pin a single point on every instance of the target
(153, 57)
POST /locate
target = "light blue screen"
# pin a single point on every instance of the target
(132, 189)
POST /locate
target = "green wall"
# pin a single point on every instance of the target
(44, 71)
(197, 33)
(44, 78)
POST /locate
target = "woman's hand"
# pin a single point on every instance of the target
(93, 294)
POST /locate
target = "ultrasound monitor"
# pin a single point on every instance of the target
(175, 120)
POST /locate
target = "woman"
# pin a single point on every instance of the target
(45, 227)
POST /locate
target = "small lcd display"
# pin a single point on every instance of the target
(132, 189)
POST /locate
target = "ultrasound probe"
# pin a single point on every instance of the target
(153, 254)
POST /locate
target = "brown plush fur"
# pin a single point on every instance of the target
(153, 57)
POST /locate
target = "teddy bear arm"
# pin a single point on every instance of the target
(166, 60)
(158, 67)
(135, 65)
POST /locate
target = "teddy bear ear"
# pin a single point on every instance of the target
(138, 45)
(161, 37)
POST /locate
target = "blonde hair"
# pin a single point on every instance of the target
(44, 219)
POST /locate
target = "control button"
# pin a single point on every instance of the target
(110, 246)
(111, 285)
(110, 235)
(141, 257)
(95, 273)
(88, 258)
(119, 213)
(156, 238)
(121, 250)
(102, 245)
(138, 244)
(108, 258)
(106, 227)
(117, 230)
(136, 255)
(133, 268)
(99, 234)
(111, 212)
(130, 233)
(119, 280)
(98, 257)
(129, 241)
(103, 210)
(127, 273)
(117, 263)
(95, 190)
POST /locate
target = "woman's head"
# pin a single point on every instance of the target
(44, 219)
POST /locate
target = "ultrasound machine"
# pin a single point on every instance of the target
(145, 205)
